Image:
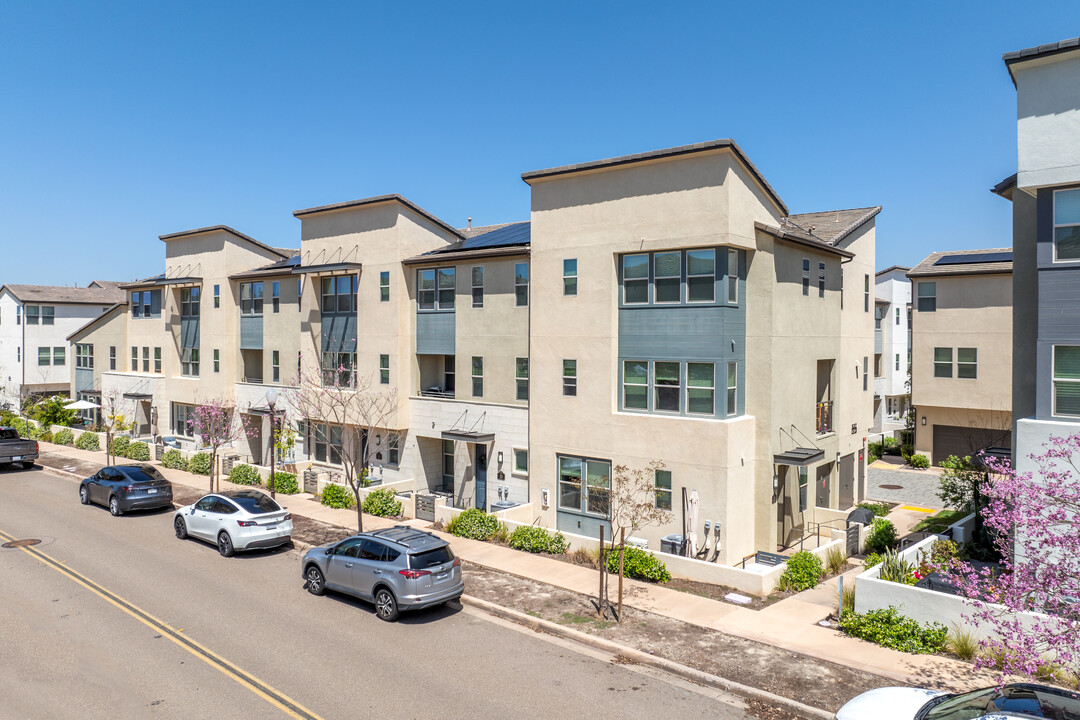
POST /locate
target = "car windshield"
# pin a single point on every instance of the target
(966, 706)
(1025, 700)
(255, 503)
(431, 558)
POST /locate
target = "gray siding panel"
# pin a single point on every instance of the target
(84, 380)
(1059, 305)
(435, 333)
(877, 341)
(189, 332)
(586, 525)
(251, 332)
(339, 333)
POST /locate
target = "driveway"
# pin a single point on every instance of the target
(908, 487)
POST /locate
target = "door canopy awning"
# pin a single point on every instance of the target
(468, 436)
(799, 457)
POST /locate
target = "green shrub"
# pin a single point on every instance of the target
(803, 571)
(337, 496)
(871, 560)
(638, 564)
(882, 536)
(139, 451)
(879, 509)
(382, 503)
(531, 538)
(21, 427)
(64, 437)
(242, 474)
(285, 483)
(88, 441)
(918, 461)
(199, 464)
(890, 629)
(962, 643)
(895, 569)
(172, 458)
(120, 445)
(874, 451)
(835, 560)
(45, 436)
(6, 418)
(474, 523)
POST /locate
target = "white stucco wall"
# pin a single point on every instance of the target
(1048, 120)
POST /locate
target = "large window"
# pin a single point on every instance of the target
(251, 298)
(478, 286)
(436, 288)
(662, 481)
(328, 443)
(189, 362)
(146, 304)
(84, 356)
(943, 362)
(1067, 380)
(339, 294)
(585, 485)
(478, 377)
(1067, 224)
(672, 277)
(569, 276)
(569, 377)
(338, 369)
(670, 386)
(967, 362)
(189, 302)
(521, 376)
(384, 286)
(183, 419)
(927, 301)
(521, 284)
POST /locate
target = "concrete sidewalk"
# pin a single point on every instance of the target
(790, 624)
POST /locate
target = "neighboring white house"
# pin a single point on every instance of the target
(892, 348)
(35, 321)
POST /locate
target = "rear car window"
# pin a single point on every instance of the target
(431, 558)
(150, 471)
(137, 475)
(257, 503)
(9, 434)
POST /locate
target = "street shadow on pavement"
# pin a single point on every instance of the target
(411, 617)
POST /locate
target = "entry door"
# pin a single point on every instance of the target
(481, 477)
(824, 486)
(847, 481)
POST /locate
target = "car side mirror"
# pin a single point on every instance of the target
(329, 551)
(192, 511)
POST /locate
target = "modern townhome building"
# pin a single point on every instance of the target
(961, 352)
(1045, 195)
(35, 321)
(892, 348)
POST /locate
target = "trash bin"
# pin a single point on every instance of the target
(672, 544)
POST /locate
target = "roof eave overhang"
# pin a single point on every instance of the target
(444, 257)
(225, 229)
(960, 273)
(379, 200)
(326, 269)
(785, 236)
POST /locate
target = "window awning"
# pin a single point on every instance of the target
(467, 436)
(799, 457)
(327, 268)
(138, 396)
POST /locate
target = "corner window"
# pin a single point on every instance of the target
(44, 356)
(569, 377)
(585, 485)
(521, 461)
(806, 276)
(701, 276)
(521, 376)
(217, 296)
(275, 366)
(478, 286)
(733, 277)
(732, 385)
(700, 388)
(275, 295)
(967, 362)
(927, 301)
(662, 482)
(1067, 225)
(384, 369)
(942, 362)
(1066, 373)
(569, 276)
(478, 377)
(384, 286)
(521, 284)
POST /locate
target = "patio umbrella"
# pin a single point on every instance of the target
(691, 524)
(81, 405)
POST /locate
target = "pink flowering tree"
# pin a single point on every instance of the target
(217, 425)
(1032, 603)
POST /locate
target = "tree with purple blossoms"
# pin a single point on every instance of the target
(217, 424)
(1032, 603)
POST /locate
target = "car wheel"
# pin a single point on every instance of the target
(84, 498)
(29, 465)
(386, 605)
(315, 584)
(114, 507)
(224, 545)
(181, 528)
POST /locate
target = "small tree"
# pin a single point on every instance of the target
(959, 484)
(217, 424)
(1035, 523)
(633, 500)
(113, 408)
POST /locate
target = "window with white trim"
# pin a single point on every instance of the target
(189, 362)
(251, 299)
(134, 359)
(478, 286)
(927, 297)
(1066, 380)
(338, 294)
(384, 369)
(328, 443)
(943, 362)
(1067, 225)
(521, 461)
(701, 276)
(667, 386)
(157, 360)
(32, 314)
(521, 284)
(967, 360)
(521, 377)
(569, 377)
(44, 356)
(112, 357)
(477, 376)
(585, 485)
(569, 275)
(700, 388)
(732, 387)
(146, 359)
(384, 286)
(733, 277)
(662, 483)
(275, 295)
(436, 288)
(275, 365)
(47, 314)
(84, 356)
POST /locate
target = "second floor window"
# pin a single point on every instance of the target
(1066, 383)
(521, 375)
(217, 296)
(189, 302)
(275, 295)
(384, 286)
(337, 369)
(821, 279)
(44, 356)
(478, 286)
(943, 362)
(521, 284)
(384, 369)
(1067, 224)
(146, 359)
(806, 276)
(436, 288)
(569, 377)
(84, 356)
(275, 365)
(112, 357)
(339, 294)
(672, 277)
(569, 274)
(33, 312)
(478, 377)
(927, 301)
(217, 360)
(189, 362)
(967, 361)
(47, 313)
(157, 360)
(134, 359)
(251, 298)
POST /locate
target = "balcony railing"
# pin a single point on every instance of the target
(824, 422)
(435, 392)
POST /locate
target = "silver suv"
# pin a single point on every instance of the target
(398, 568)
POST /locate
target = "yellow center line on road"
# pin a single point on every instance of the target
(276, 698)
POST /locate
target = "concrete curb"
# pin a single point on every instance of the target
(683, 671)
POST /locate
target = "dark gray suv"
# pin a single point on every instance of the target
(398, 569)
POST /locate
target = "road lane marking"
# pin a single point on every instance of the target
(276, 698)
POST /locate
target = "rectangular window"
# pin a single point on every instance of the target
(251, 298)
(942, 362)
(803, 489)
(821, 279)
(897, 361)
(44, 356)
(733, 277)
(189, 362)
(32, 313)
(448, 463)
(591, 496)
(217, 296)
(147, 304)
(112, 357)
(384, 286)
(47, 314)
(393, 444)
(84, 356)
(635, 384)
(865, 372)
(806, 276)
(732, 385)
(384, 369)
(521, 376)
(521, 461)
(569, 377)
(878, 311)
(701, 276)
(275, 295)
(275, 365)
(59, 356)
(425, 289)
(449, 363)
(339, 294)
(189, 302)
(478, 286)
(1067, 224)
(134, 359)
(521, 284)
(927, 297)
(667, 387)
(569, 276)
(897, 316)
(635, 273)
(136, 304)
(967, 360)
(436, 289)
(217, 360)
(866, 293)
(477, 376)
(328, 443)
(447, 288)
(145, 359)
(667, 277)
(18, 314)
(662, 482)
(183, 419)
(700, 388)
(157, 360)
(1066, 373)
(299, 294)
(338, 369)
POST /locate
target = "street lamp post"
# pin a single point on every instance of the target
(271, 398)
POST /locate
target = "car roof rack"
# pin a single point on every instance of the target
(403, 535)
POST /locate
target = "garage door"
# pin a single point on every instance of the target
(961, 441)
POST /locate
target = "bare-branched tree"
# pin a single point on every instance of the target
(217, 424)
(633, 500)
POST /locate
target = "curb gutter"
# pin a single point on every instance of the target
(643, 658)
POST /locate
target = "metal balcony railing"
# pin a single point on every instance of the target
(434, 392)
(824, 418)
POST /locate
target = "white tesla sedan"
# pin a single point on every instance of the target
(235, 520)
(1019, 701)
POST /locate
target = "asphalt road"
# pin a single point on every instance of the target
(116, 618)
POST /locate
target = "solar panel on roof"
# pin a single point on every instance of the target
(516, 234)
(974, 258)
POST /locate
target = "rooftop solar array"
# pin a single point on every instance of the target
(974, 258)
(514, 234)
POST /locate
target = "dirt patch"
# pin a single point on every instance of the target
(718, 592)
(809, 680)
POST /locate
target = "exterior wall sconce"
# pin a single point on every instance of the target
(500, 456)
(923, 419)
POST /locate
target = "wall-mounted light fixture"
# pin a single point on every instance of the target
(499, 456)
(923, 419)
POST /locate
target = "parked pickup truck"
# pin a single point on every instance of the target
(15, 449)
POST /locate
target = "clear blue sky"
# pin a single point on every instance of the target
(120, 122)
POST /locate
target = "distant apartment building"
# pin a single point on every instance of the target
(892, 348)
(961, 354)
(34, 323)
(1045, 196)
(664, 306)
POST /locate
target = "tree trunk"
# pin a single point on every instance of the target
(359, 509)
(213, 469)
